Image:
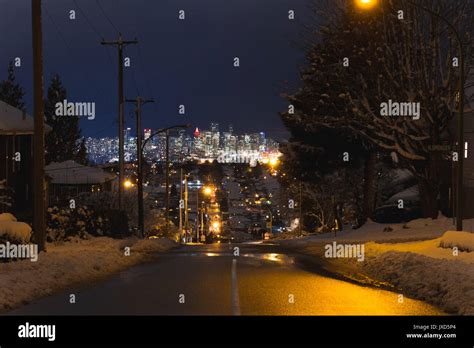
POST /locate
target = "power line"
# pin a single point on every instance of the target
(141, 65)
(107, 17)
(114, 122)
(94, 29)
(58, 31)
(88, 21)
(69, 49)
(85, 78)
(145, 76)
(135, 81)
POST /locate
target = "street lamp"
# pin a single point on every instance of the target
(127, 184)
(368, 4)
(140, 175)
(274, 162)
(267, 205)
(208, 191)
(216, 225)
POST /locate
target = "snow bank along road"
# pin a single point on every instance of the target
(210, 280)
(69, 264)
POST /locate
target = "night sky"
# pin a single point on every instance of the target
(178, 62)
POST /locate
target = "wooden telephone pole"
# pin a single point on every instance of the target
(120, 43)
(39, 208)
(138, 113)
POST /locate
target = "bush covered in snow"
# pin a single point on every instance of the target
(7, 217)
(14, 232)
(158, 229)
(63, 224)
(105, 203)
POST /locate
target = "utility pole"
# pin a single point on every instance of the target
(167, 180)
(271, 220)
(300, 210)
(39, 209)
(181, 200)
(120, 43)
(186, 220)
(138, 112)
(197, 215)
(202, 220)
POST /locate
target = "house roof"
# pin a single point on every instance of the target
(73, 173)
(15, 121)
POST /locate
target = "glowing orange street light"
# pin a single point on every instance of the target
(366, 4)
(127, 184)
(274, 162)
(216, 225)
(208, 190)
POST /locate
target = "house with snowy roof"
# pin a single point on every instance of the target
(68, 179)
(16, 161)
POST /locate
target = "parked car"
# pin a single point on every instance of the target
(278, 229)
(391, 213)
(255, 228)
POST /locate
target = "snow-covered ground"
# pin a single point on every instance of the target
(422, 259)
(69, 264)
(414, 230)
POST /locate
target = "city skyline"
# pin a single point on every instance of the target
(195, 144)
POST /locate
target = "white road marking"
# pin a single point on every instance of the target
(235, 289)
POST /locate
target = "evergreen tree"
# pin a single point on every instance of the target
(174, 191)
(63, 142)
(10, 91)
(356, 63)
(81, 156)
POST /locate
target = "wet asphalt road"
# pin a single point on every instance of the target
(210, 280)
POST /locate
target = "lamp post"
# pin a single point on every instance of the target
(271, 218)
(140, 182)
(207, 190)
(262, 202)
(368, 4)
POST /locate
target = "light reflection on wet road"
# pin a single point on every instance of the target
(263, 281)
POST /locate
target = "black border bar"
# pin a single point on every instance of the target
(140, 330)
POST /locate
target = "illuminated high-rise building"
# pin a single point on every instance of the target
(202, 144)
(214, 127)
(127, 138)
(146, 133)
